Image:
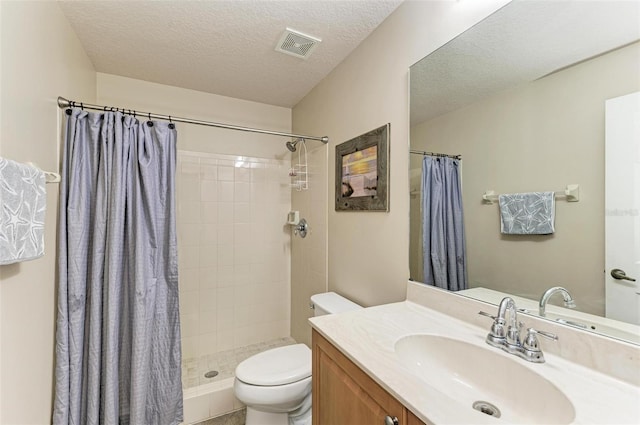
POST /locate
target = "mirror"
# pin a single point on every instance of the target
(521, 97)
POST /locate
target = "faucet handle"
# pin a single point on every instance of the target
(548, 335)
(497, 331)
(531, 346)
(531, 341)
(484, 313)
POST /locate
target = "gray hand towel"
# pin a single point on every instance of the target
(23, 199)
(527, 213)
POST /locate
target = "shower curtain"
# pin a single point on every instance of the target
(443, 243)
(118, 358)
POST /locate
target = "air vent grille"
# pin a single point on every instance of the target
(297, 44)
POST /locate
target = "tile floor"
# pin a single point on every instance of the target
(224, 362)
(234, 418)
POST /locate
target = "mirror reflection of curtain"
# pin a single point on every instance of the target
(118, 357)
(444, 253)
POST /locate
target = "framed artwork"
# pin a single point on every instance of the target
(362, 172)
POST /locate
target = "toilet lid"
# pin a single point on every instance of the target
(277, 366)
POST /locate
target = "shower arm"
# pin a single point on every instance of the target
(64, 103)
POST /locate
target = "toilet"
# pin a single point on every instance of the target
(276, 384)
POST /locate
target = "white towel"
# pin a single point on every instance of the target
(527, 213)
(23, 200)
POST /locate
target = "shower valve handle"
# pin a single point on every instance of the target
(301, 228)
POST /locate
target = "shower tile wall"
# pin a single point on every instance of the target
(233, 251)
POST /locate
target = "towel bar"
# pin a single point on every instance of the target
(571, 192)
(49, 176)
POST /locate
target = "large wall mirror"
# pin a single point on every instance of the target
(521, 98)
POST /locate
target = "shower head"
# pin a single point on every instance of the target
(291, 145)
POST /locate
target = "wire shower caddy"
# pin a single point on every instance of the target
(299, 172)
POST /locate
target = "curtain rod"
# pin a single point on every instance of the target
(65, 103)
(441, 155)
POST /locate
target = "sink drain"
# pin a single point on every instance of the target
(487, 408)
(211, 374)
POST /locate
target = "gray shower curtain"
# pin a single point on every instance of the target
(118, 358)
(443, 242)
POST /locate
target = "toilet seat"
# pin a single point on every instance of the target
(278, 366)
(273, 398)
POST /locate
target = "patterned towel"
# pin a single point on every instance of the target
(23, 199)
(527, 213)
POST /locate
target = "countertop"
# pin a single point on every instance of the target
(368, 336)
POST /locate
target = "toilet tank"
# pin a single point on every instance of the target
(331, 303)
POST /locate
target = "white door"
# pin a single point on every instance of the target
(622, 208)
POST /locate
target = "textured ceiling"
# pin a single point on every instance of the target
(521, 42)
(223, 47)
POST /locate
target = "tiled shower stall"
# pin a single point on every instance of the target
(233, 262)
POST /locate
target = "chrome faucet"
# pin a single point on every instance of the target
(568, 299)
(512, 340)
(509, 339)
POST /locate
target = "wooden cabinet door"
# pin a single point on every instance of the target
(413, 419)
(344, 395)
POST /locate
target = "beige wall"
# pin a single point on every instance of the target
(537, 137)
(41, 59)
(368, 252)
(145, 96)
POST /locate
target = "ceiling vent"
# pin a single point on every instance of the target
(297, 44)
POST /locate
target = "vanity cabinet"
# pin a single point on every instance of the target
(344, 395)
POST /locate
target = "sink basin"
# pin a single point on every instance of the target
(485, 380)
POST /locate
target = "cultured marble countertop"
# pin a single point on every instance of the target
(368, 337)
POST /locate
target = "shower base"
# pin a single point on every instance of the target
(206, 398)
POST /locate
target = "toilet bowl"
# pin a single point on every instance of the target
(275, 385)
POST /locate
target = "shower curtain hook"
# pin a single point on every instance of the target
(81, 106)
(171, 126)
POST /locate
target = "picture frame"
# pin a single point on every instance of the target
(362, 172)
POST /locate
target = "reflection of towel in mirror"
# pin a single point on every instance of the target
(23, 200)
(527, 213)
